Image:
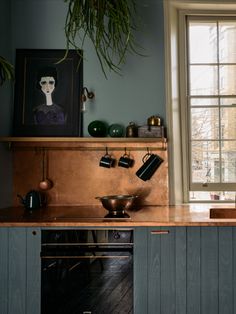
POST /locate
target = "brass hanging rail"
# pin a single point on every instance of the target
(85, 143)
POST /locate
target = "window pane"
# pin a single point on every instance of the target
(229, 161)
(202, 42)
(205, 162)
(212, 196)
(204, 102)
(228, 101)
(227, 42)
(203, 80)
(227, 80)
(205, 123)
(228, 123)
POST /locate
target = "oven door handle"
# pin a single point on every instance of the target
(84, 257)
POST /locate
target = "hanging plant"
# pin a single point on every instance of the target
(108, 23)
(6, 70)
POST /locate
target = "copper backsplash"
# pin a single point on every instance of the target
(78, 179)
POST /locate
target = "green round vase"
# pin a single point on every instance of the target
(116, 130)
(97, 128)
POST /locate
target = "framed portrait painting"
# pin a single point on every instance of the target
(47, 93)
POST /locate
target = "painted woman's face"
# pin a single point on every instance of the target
(47, 84)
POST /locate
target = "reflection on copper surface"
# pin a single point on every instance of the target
(78, 179)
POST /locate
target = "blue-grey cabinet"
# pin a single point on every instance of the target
(20, 270)
(140, 270)
(177, 270)
(191, 270)
(3, 270)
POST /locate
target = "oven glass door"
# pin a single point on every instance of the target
(87, 271)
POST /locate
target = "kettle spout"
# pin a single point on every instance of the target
(21, 199)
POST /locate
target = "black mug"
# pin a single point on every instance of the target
(125, 161)
(107, 161)
(150, 164)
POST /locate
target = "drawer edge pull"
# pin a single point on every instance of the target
(160, 232)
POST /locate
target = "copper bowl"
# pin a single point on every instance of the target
(117, 204)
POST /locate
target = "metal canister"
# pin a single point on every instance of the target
(154, 120)
(132, 130)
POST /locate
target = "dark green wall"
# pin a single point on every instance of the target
(6, 52)
(6, 106)
(134, 96)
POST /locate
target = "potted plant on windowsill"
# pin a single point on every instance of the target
(109, 24)
(6, 70)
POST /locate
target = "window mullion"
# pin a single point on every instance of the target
(218, 87)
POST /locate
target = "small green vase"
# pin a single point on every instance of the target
(116, 130)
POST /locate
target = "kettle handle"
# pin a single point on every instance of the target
(21, 198)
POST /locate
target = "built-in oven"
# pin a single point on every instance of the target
(87, 271)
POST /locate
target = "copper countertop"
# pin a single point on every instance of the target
(91, 216)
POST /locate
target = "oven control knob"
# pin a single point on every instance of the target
(116, 235)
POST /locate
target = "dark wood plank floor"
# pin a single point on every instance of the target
(97, 288)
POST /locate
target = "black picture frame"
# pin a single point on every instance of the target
(32, 114)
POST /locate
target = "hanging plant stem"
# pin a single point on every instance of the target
(108, 24)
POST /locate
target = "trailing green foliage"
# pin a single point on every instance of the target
(108, 23)
(6, 71)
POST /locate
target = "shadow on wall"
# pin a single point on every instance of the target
(5, 177)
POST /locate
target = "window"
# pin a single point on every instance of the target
(200, 73)
(211, 106)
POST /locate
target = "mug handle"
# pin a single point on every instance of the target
(144, 159)
(107, 155)
(126, 155)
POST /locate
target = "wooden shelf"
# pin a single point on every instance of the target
(94, 143)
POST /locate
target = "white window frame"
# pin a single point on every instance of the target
(175, 12)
